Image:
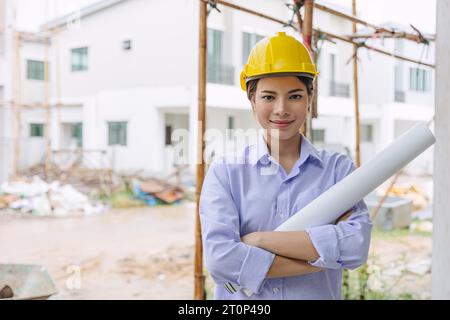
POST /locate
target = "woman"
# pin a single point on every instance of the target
(243, 201)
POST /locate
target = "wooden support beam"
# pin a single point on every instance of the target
(199, 290)
(328, 34)
(354, 19)
(384, 52)
(356, 92)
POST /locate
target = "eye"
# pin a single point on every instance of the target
(296, 97)
(268, 98)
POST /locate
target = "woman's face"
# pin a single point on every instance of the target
(281, 103)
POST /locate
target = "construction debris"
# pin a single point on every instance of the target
(411, 191)
(39, 198)
(421, 226)
(6, 200)
(90, 181)
(419, 268)
(154, 191)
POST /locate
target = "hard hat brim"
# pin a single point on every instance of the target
(281, 74)
(278, 74)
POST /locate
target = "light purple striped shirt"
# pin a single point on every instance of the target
(241, 194)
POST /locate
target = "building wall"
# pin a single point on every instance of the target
(377, 78)
(32, 91)
(161, 52)
(159, 76)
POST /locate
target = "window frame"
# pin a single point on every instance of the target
(253, 38)
(315, 132)
(32, 71)
(40, 130)
(119, 138)
(366, 133)
(419, 79)
(82, 64)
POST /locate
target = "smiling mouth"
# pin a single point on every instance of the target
(281, 123)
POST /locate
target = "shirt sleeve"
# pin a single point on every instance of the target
(226, 257)
(345, 245)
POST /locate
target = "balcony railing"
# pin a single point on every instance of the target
(399, 96)
(221, 74)
(339, 89)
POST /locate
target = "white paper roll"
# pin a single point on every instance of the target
(331, 204)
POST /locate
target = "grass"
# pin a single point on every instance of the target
(122, 200)
(385, 292)
(397, 233)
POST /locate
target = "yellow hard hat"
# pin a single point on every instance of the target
(278, 55)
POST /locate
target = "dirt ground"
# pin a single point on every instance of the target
(143, 253)
(400, 264)
(147, 253)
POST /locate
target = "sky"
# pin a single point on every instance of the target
(32, 13)
(400, 11)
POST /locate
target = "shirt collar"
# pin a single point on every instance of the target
(309, 151)
(259, 152)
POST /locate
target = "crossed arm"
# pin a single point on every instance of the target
(292, 248)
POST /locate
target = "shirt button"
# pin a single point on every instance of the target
(265, 161)
(282, 215)
(275, 290)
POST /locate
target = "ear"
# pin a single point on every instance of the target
(310, 101)
(252, 101)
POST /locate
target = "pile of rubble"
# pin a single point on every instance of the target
(37, 197)
(89, 181)
(154, 191)
(411, 191)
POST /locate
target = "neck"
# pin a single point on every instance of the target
(289, 148)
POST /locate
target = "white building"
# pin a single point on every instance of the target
(126, 76)
(21, 65)
(396, 94)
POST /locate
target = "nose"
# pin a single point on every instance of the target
(280, 108)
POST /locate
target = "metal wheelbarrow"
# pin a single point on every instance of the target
(25, 282)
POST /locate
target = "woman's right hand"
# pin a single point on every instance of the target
(344, 216)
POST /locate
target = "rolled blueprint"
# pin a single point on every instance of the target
(331, 204)
(328, 207)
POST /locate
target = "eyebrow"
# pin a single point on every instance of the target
(273, 92)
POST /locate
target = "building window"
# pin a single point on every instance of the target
(399, 94)
(419, 79)
(248, 41)
(215, 46)
(79, 59)
(168, 135)
(117, 133)
(333, 67)
(36, 130)
(366, 133)
(337, 89)
(230, 127)
(126, 45)
(35, 70)
(76, 132)
(217, 71)
(318, 135)
(230, 123)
